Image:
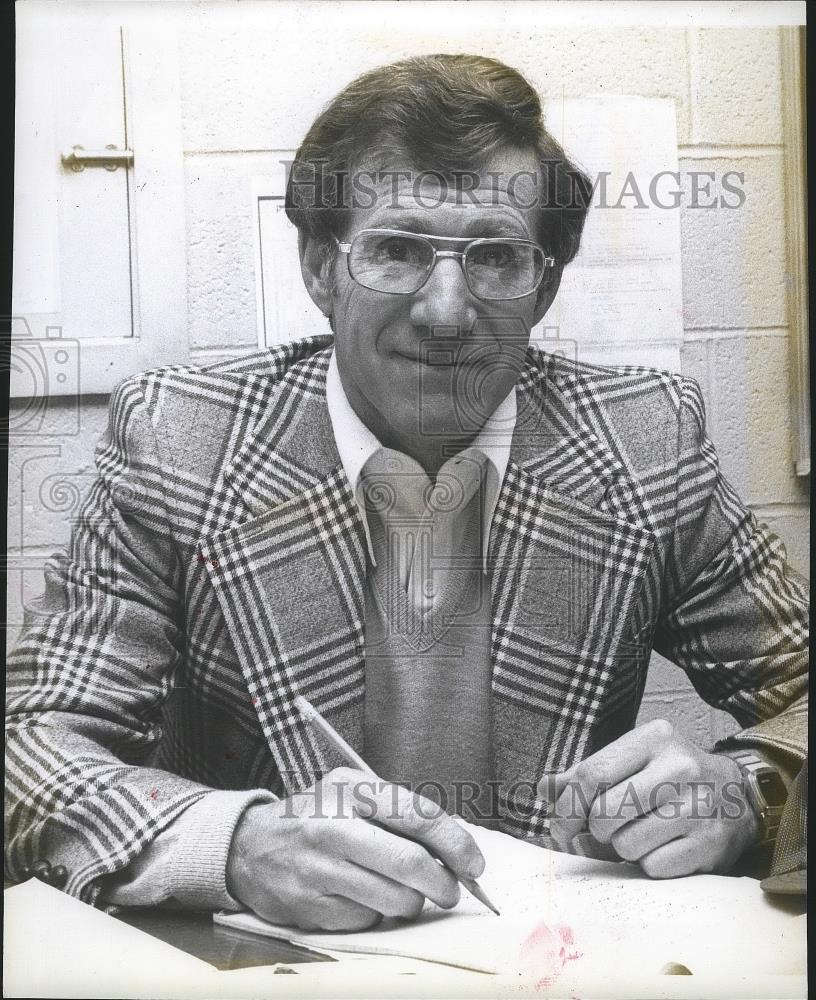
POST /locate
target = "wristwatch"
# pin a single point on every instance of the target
(765, 790)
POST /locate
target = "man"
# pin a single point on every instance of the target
(461, 550)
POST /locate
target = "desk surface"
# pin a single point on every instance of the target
(223, 947)
(54, 942)
(226, 948)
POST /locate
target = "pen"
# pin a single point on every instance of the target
(314, 718)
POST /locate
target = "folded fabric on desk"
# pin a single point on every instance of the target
(566, 918)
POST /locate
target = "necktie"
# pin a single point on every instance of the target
(428, 626)
(427, 537)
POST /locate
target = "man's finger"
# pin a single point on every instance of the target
(387, 896)
(423, 821)
(601, 771)
(396, 860)
(636, 840)
(553, 784)
(652, 789)
(673, 860)
(336, 913)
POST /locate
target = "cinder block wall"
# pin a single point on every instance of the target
(247, 96)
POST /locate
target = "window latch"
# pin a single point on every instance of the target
(110, 158)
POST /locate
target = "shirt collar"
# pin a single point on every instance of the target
(356, 444)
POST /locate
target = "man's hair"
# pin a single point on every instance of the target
(444, 113)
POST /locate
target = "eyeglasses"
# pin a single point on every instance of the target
(399, 263)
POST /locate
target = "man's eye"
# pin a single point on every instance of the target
(396, 251)
(493, 255)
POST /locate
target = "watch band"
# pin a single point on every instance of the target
(765, 790)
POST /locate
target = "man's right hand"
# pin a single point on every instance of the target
(346, 852)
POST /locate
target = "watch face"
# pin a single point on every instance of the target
(772, 788)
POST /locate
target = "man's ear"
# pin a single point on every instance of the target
(546, 295)
(315, 268)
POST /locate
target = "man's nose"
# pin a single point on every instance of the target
(445, 299)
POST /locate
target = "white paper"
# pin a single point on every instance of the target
(580, 919)
(55, 945)
(625, 286)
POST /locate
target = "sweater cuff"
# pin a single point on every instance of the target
(196, 869)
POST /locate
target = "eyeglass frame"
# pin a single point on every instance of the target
(549, 262)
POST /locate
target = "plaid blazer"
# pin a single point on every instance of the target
(217, 570)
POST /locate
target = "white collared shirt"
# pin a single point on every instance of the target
(356, 444)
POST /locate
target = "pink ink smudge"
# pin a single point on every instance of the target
(545, 952)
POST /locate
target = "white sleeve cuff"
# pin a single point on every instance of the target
(186, 863)
(196, 865)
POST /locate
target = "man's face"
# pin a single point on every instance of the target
(433, 365)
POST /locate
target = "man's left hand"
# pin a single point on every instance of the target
(659, 801)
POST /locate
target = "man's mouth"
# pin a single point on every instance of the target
(438, 357)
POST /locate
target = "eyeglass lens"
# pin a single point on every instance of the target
(393, 262)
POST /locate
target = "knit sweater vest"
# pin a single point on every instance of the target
(428, 631)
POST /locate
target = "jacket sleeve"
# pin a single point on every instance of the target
(96, 662)
(736, 615)
(186, 864)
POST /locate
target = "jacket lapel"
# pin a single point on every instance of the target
(289, 576)
(568, 568)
